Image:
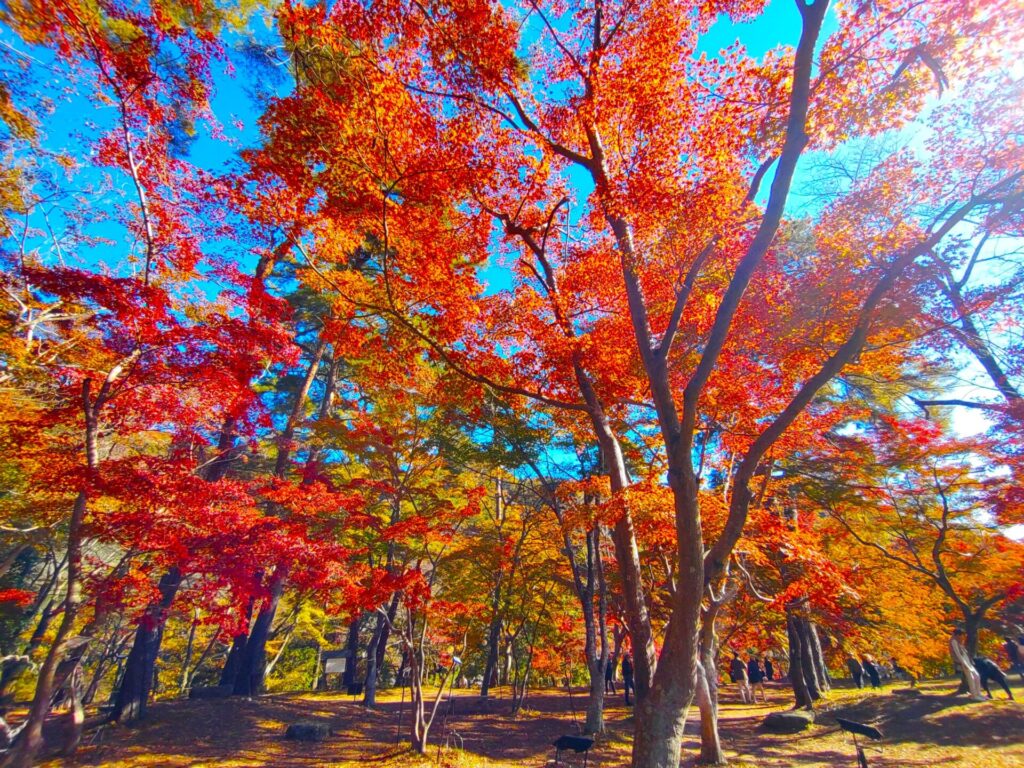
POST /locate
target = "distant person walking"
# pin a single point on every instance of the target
(871, 668)
(856, 671)
(738, 674)
(755, 673)
(989, 670)
(627, 678)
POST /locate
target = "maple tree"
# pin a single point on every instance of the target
(130, 369)
(566, 321)
(258, 401)
(929, 512)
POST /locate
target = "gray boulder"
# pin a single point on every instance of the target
(788, 722)
(307, 730)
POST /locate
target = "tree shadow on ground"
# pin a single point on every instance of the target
(933, 729)
(925, 720)
(930, 730)
(251, 732)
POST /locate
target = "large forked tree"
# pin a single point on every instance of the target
(513, 110)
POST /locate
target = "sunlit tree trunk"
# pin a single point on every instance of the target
(707, 690)
(30, 739)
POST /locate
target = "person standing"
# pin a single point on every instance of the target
(960, 657)
(755, 674)
(609, 676)
(627, 677)
(989, 670)
(871, 668)
(856, 671)
(738, 674)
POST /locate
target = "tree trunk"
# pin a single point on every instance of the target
(76, 713)
(12, 671)
(596, 627)
(796, 676)
(707, 691)
(189, 650)
(972, 623)
(233, 662)
(707, 701)
(280, 652)
(137, 680)
(385, 636)
(352, 646)
(370, 683)
(493, 641)
(661, 717)
(112, 650)
(663, 713)
(595, 696)
(421, 718)
(806, 659)
(818, 657)
(640, 634)
(30, 739)
(252, 666)
(187, 674)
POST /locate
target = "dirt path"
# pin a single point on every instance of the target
(935, 729)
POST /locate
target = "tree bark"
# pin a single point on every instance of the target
(493, 637)
(190, 645)
(112, 650)
(818, 657)
(188, 674)
(707, 691)
(137, 680)
(252, 664)
(352, 646)
(796, 674)
(374, 651)
(707, 701)
(806, 658)
(596, 644)
(233, 662)
(661, 718)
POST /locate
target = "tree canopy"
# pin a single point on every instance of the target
(516, 333)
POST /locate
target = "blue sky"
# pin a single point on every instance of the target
(236, 112)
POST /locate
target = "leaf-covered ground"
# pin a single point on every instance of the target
(935, 729)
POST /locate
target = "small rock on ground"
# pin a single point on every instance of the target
(307, 730)
(788, 722)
